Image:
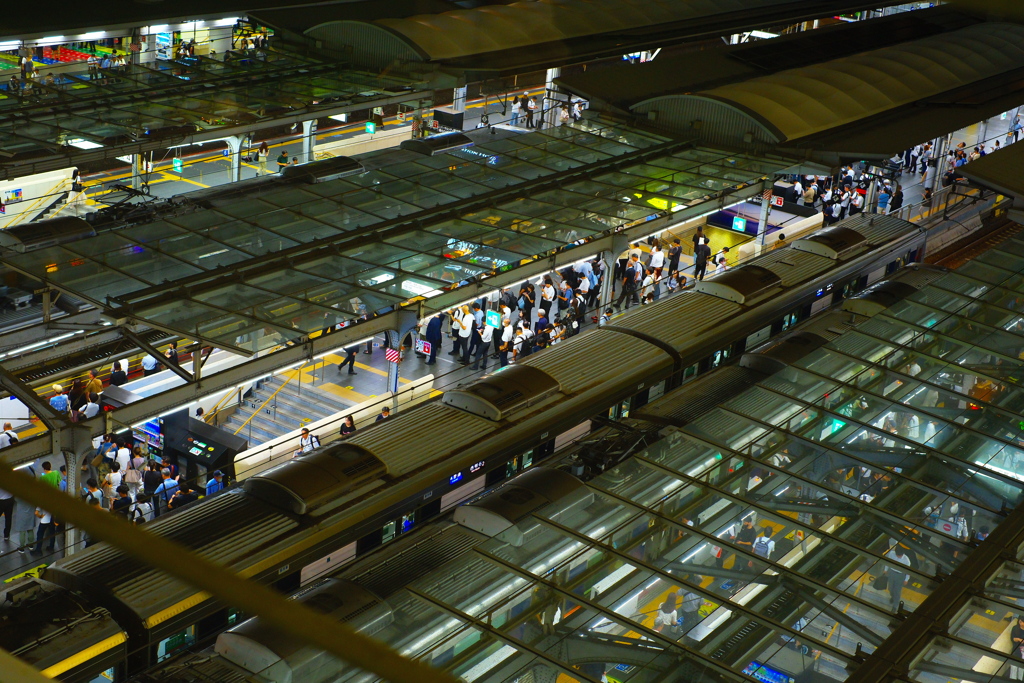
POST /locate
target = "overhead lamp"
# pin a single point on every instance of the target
(763, 34)
(83, 144)
(94, 35)
(343, 117)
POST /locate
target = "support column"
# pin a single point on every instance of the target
(394, 341)
(766, 208)
(235, 158)
(459, 99)
(935, 164)
(982, 131)
(308, 128)
(619, 244)
(550, 104)
(136, 171)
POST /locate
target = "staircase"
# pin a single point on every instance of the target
(287, 411)
(57, 203)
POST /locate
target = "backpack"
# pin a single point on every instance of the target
(12, 436)
(762, 546)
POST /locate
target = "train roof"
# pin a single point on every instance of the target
(596, 564)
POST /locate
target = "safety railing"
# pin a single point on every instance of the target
(64, 185)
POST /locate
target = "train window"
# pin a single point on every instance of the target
(720, 357)
(623, 410)
(389, 531)
(690, 372)
(512, 467)
(657, 390)
(104, 677)
(179, 641)
(407, 521)
(234, 616)
(789, 320)
(527, 459)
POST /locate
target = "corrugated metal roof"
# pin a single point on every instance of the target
(794, 266)
(390, 441)
(491, 28)
(879, 229)
(812, 99)
(590, 358)
(681, 318)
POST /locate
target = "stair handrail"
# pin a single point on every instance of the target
(217, 407)
(298, 373)
(56, 190)
(71, 201)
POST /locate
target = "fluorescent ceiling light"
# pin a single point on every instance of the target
(226, 21)
(340, 117)
(83, 144)
(763, 34)
(50, 39)
(94, 35)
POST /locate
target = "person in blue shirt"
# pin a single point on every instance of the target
(150, 366)
(166, 489)
(215, 484)
(59, 401)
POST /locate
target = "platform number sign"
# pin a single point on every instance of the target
(371, 127)
(177, 165)
(493, 319)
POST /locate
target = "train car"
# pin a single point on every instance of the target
(280, 530)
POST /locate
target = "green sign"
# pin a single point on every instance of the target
(739, 224)
(493, 319)
(177, 165)
(371, 127)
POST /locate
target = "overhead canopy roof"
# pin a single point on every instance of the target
(253, 269)
(1002, 171)
(887, 434)
(165, 103)
(676, 71)
(800, 102)
(551, 32)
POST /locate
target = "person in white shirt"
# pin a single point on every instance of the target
(307, 441)
(657, 260)
(8, 436)
(92, 408)
(547, 296)
(667, 616)
(486, 334)
(764, 546)
(798, 190)
(856, 203)
(141, 510)
(895, 577)
(507, 335)
(124, 455)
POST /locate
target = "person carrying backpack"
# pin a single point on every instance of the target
(8, 437)
(764, 546)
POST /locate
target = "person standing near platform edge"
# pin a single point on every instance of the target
(282, 161)
(433, 337)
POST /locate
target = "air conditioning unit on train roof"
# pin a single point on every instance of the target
(498, 396)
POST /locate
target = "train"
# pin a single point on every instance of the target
(295, 522)
(466, 588)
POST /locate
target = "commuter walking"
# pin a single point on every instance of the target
(46, 530)
(350, 360)
(516, 108)
(307, 442)
(674, 252)
(896, 578)
(348, 426)
(262, 155)
(630, 279)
